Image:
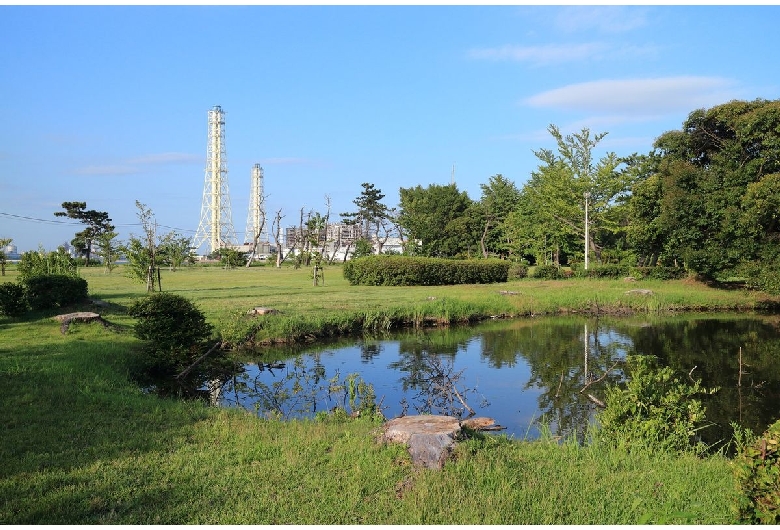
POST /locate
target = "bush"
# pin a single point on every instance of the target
(548, 272)
(173, 360)
(655, 410)
(13, 301)
(42, 263)
(409, 270)
(607, 271)
(757, 471)
(517, 271)
(54, 290)
(169, 321)
(660, 272)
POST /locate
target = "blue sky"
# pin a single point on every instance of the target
(109, 104)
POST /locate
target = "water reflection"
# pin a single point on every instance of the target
(518, 372)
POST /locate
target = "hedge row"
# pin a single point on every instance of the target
(41, 292)
(408, 270)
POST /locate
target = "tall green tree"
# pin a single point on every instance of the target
(712, 200)
(499, 198)
(370, 210)
(96, 223)
(556, 194)
(439, 221)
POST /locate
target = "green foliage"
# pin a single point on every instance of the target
(42, 263)
(176, 333)
(517, 271)
(712, 198)
(54, 290)
(97, 225)
(13, 301)
(607, 271)
(654, 411)
(547, 272)
(408, 270)
(169, 321)
(659, 272)
(438, 217)
(362, 248)
(232, 258)
(757, 472)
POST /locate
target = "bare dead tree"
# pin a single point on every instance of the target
(276, 228)
(258, 232)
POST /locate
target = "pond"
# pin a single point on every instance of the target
(519, 372)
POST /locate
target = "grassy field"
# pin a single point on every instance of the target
(82, 445)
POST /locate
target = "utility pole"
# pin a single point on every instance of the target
(587, 233)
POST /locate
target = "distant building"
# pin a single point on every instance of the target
(11, 253)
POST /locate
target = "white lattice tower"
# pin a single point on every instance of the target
(256, 220)
(216, 219)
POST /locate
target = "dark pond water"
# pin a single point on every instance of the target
(518, 372)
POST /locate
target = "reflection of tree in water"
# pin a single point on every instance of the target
(565, 357)
(369, 350)
(439, 388)
(296, 389)
(711, 348)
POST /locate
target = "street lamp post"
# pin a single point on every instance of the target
(587, 196)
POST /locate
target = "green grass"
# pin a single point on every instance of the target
(82, 445)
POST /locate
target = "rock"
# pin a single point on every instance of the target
(262, 311)
(645, 292)
(431, 438)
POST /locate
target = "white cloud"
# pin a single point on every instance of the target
(604, 19)
(639, 97)
(166, 158)
(139, 164)
(551, 53)
(110, 170)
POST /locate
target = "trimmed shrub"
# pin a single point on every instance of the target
(54, 290)
(176, 333)
(12, 299)
(517, 271)
(169, 321)
(410, 270)
(757, 470)
(548, 272)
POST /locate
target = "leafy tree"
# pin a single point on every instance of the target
(712, 203)
(499, 198)
(4, 242)
(231, 258)
(555, 196)
(96, 223)
(439, 218)
(142, 254)
(108, 251)
(371, 211)
(175, 250)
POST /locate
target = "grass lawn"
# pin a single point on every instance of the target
(81, 444)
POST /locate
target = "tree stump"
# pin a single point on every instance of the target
(430, 439)
(81, 316)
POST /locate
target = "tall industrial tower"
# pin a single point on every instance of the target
(216, 219)
(256, 220)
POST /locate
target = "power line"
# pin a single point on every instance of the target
(67, 223)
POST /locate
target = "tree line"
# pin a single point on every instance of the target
(705, 199)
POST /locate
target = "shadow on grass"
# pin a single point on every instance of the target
(68, 400)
